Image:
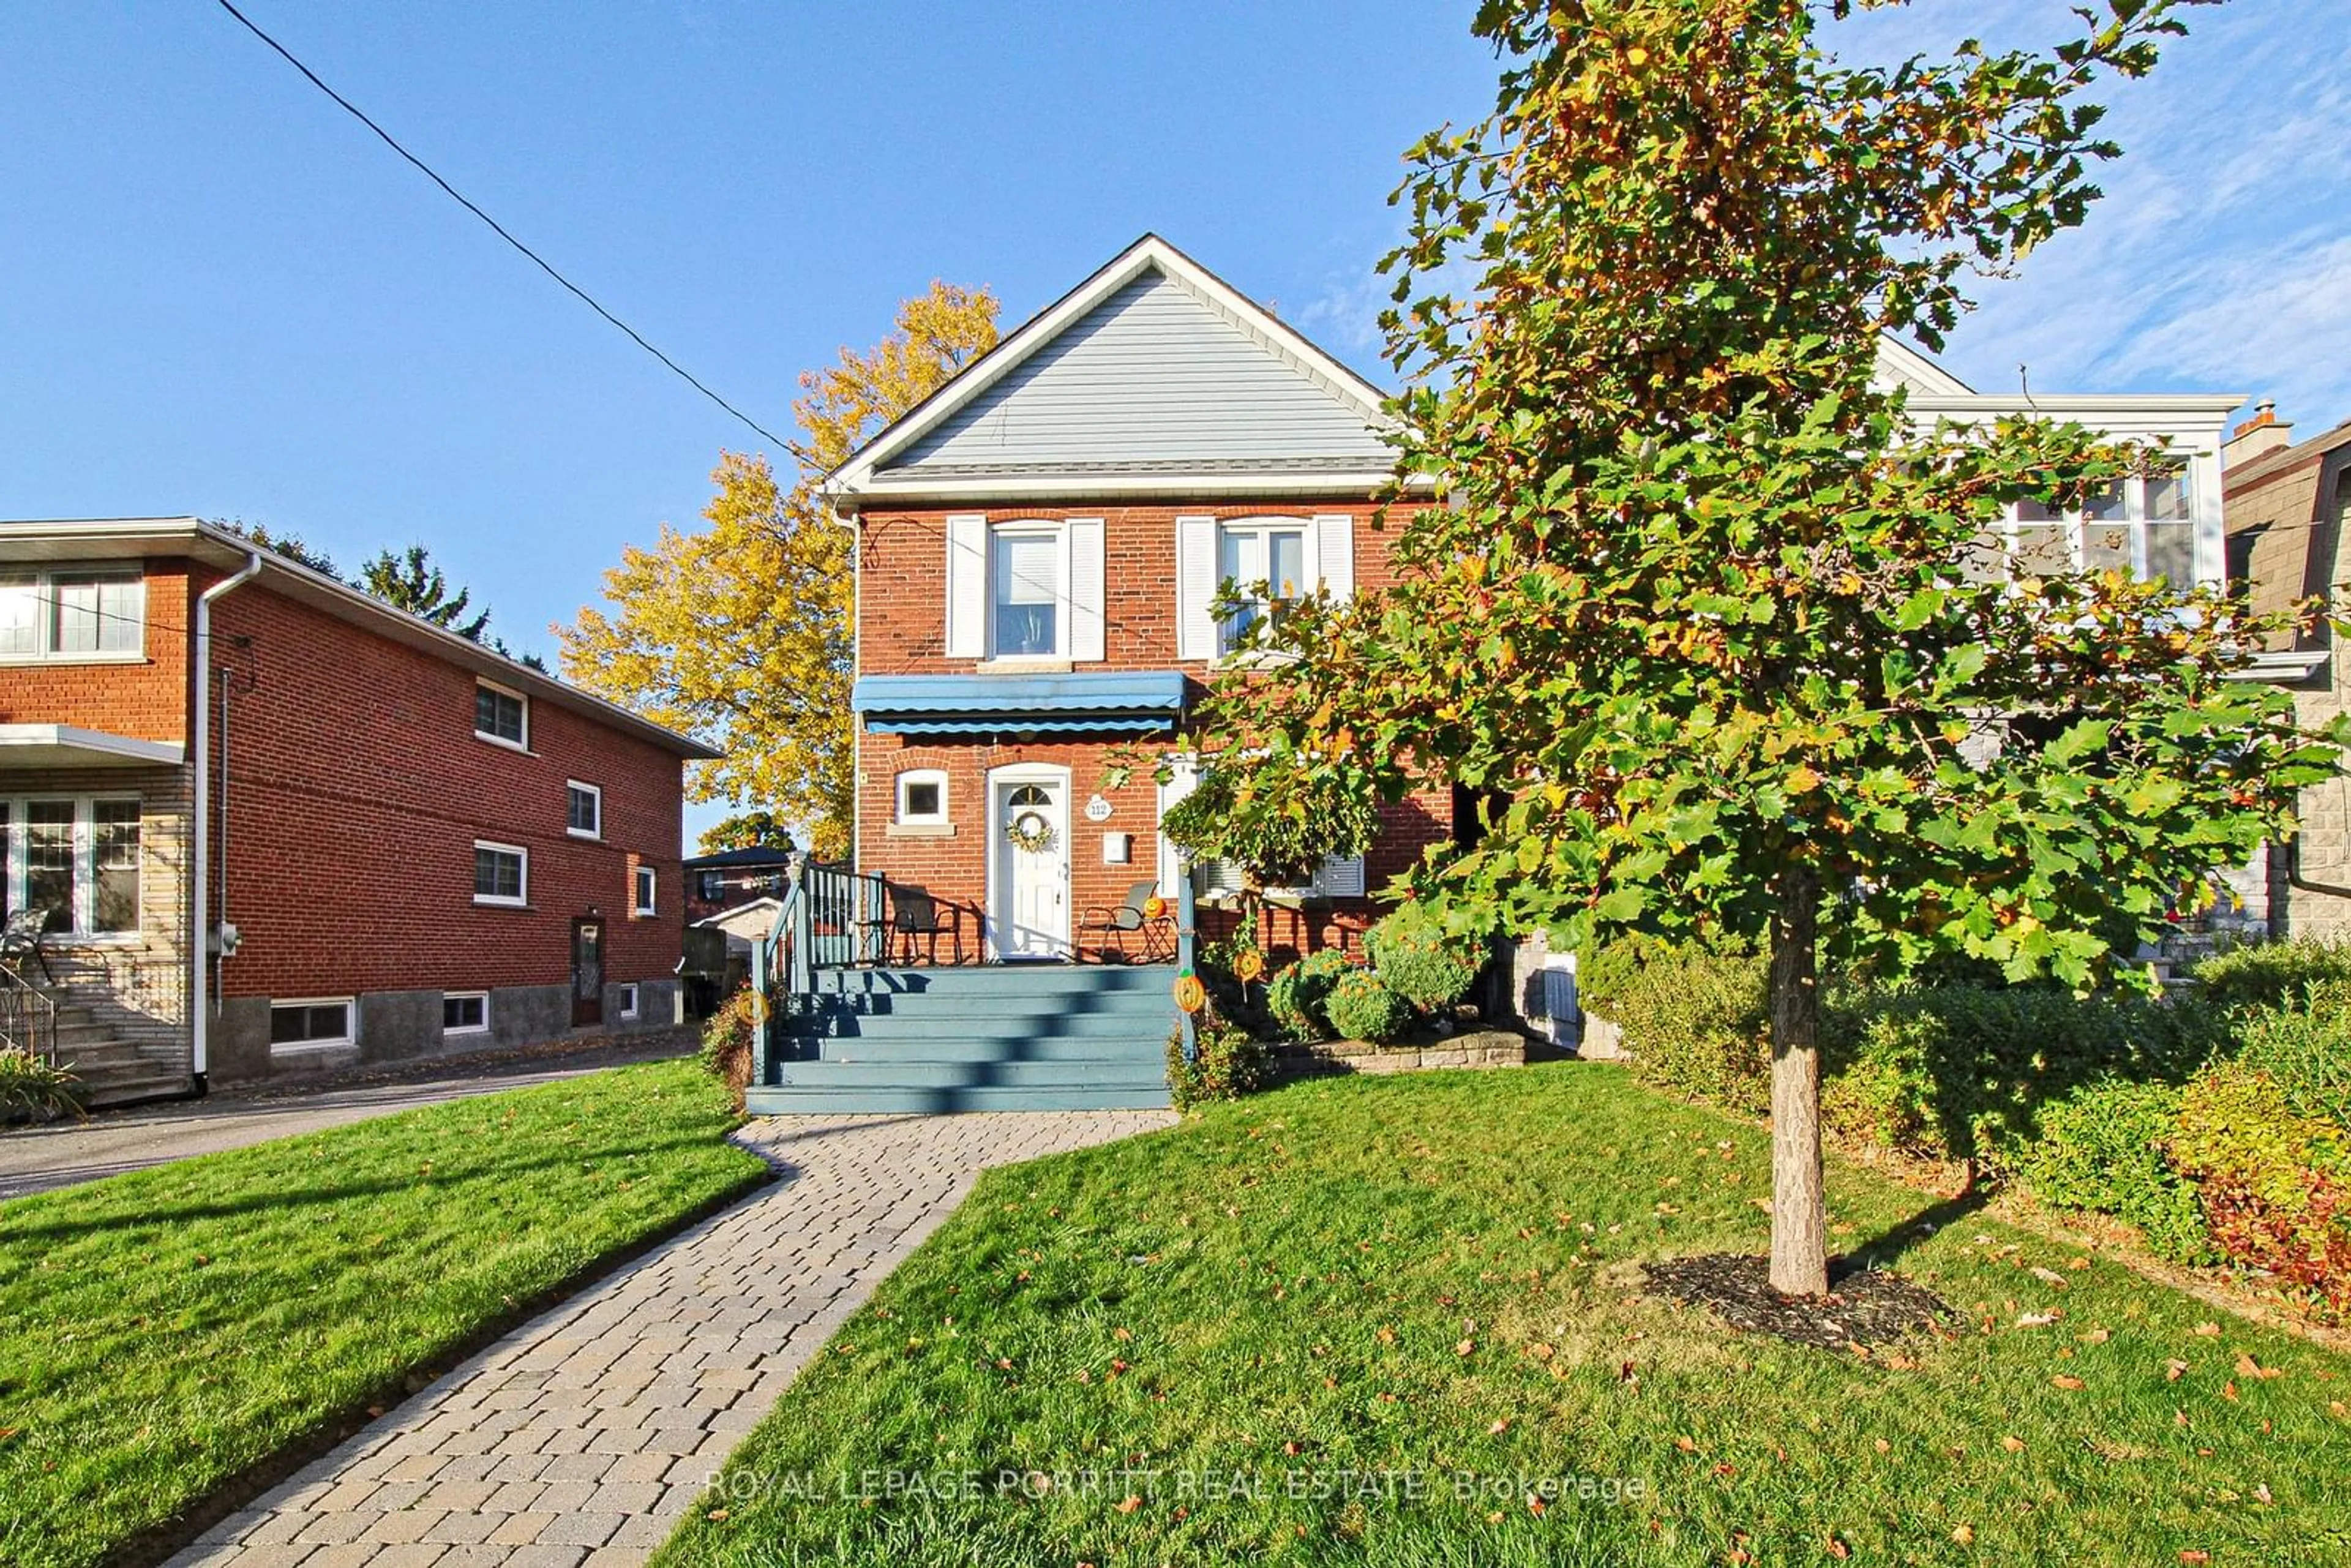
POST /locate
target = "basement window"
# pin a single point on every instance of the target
(465, 1012)
(310, 1024)
(626, 999)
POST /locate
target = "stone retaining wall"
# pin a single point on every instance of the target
(1481, 1048)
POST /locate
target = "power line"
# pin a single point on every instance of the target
(495, 227)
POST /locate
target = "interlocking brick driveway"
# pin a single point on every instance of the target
(582, 1435)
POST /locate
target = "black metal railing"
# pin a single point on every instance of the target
(28, 1014)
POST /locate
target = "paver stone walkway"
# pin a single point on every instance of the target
(581, 1437)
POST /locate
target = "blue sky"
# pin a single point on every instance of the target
(219, 295)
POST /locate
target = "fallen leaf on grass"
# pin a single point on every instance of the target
(2097, 1337)
(1498, 1427)
(2067, 1381)
(1686, 1444)
(1965, 1534)
(2206, 1331)
(2037, 1320)
(2049, 1276)
(2012, 1443)
(1837, 1549)
(2229, 1390)
(2173, 1371)
(1465, 1347)
(1130, 1503)
(2192, 1555)
(2248, 1367)
(1884, 1447)
(717, 1515)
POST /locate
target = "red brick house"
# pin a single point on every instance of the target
(1039, 544)
(409, 844)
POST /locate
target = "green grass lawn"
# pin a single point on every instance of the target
(164, 1330)
(1380, 1289)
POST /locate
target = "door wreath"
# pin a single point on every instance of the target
(1029, 832)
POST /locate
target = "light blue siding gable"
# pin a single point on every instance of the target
(1155, 376)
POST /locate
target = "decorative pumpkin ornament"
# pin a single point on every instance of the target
(1153, 907)
(1248, 965)
(1191, 996)
(1029, 832)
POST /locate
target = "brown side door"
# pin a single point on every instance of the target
(587, 971)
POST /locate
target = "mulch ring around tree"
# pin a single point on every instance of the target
(1864, 1307)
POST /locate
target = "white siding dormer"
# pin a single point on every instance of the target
(1085, 576)
(967, 606)
(1196, 588)
(1334, 554)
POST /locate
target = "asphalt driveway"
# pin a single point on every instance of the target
(33, 1160)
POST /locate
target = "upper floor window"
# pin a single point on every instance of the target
(713, 886)
(583, 809)
(646, 879)
(73, 612)
(501, 715)
(2144, 525)
(1264, 560)
(1024, 613)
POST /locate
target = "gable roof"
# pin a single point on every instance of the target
(1153, 376)
(1900, 365)
(136, 538)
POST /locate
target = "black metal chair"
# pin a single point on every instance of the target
(20, 939)
(915, 914)
(1117, 924)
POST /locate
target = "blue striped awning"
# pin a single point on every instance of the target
(1131, 703)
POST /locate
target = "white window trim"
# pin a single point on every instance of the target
(644, 890)
(625, 1003)
(500, 900)
(593, 792)
(481, 996)
(1031, 527)
(351, 1005)
(45, 588)
(906, 818)
(14, 841)
(524, 743)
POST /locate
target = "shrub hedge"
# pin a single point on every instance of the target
(1362, 1007)
(1422, 962)
(1297, 995)
(2218, 1123)
(1227, 1062)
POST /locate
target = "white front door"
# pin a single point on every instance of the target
(1029, 913)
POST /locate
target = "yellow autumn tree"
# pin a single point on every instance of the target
(739, 633)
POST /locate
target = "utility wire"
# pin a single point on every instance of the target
(537, 260)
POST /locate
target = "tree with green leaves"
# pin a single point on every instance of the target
(408, 581)
(291, 546)
(742, 632)
(754, 829)
(1732, 631)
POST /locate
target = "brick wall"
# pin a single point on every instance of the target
(901, 625)
(902, 578)
(145, 698)
(357, 789)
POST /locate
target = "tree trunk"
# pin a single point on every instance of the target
(1800, 1262)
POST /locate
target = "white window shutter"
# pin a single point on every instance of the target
(1340, 877)
(1334, 553)
(1182, 774)
(967, 634)
(1196, 588)
(1084, 536)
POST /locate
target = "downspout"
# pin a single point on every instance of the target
(200, 920)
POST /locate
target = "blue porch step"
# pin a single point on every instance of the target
(993, 1037)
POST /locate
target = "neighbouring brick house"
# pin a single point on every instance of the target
(415, 844)
(728, 879)
(2285, 514)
